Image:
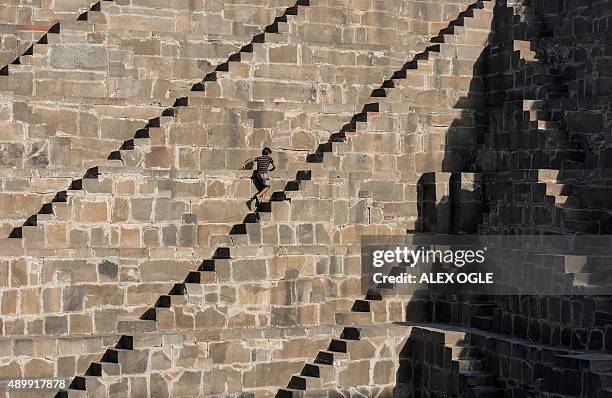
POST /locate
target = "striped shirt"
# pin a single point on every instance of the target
(263, 163)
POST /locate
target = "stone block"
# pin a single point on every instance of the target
(80, 324)
(73, 271)
(186, 383)
(312, 210)
(284, 316)
(210, 318)
(92, 211)
(39, 368)
(166, 270)
(274, 374)
(356, 373)
(56, 325)
(30, 301)
(19, 272)
(283, 54)
(220, 211)
(227, 352)
(141, 209)
(249, 270)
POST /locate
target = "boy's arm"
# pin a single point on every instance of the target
(247, 162)
(273, 165)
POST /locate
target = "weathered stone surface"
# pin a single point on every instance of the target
(73, 57)
(271, 374)
(150, 218)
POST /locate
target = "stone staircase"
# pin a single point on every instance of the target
(435, 89)
(130, 326)
(143, 136)
(195, 278)
(134, 151)
(30, 58)
(33, 25)
(555, 193)
(365, 311)
(542, 123)
(445, 362)
(94, 89)
(205, 274)
(540, 143)
(499, 364)
(159, 157)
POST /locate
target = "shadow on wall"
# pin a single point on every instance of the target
(449, 201)
(447, 205)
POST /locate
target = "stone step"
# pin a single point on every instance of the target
(545, 125)
(524, 51)
(136, 326)
(133, 157)
(53, 38)
(170, 300)
(302, 382)
(484, 392)
(309, 170)
(290, 393)
(463, 352)
(130, 361)
(96, 17)
(468, 36)
(537, 115)
(550, 158)
(72, 393)
(460, 51)
(37, 61)
(587, 264)
(488, 5)
(476, 379)
(469, 365)
(571, 202)
(75, 27)
(481, 19)
(190, 290)
(590, 361)
(602, 379)
(605, 393)
(102, 369)
(326, 373)
(452, 312)
(533, 105)
(330, 357)
(232, 240)
(353, 318)
(201, 101)
(581, 214)
(139, 341)
(547, 175)
(343, 345)
(593, 278)
(92, 384)
(482, 322)
(557, 189)
(441, 337)
(362, 306)
(542, 79)
(202, 277)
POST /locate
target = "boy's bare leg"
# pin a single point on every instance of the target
(262, 194)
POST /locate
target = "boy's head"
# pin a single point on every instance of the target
(266, 151)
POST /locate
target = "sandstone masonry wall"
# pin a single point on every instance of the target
(141, 244)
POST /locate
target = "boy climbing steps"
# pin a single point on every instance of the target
(262, 176)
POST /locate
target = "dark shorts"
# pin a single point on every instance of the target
(264, 179)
